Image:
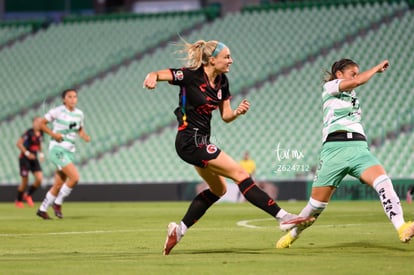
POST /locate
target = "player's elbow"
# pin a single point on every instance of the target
(18, 143)
(227, 119)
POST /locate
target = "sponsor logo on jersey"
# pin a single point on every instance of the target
(219, 94)
(211, 148)
(203, 87)
(178, 75)
(206, 109)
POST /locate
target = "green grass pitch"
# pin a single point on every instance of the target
(352, 237)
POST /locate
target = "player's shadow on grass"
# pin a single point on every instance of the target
(366, 245)
(75, 217)
(227, 251)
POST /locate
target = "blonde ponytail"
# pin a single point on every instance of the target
(198, 53)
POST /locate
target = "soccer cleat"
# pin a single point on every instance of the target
(58, 210)
(406, 232)
(19, 204)
(28, 199)
(44, 215)
(290, 220)
(173, 237)
(286, 241)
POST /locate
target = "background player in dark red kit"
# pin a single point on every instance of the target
(30, 146)
(204, 88)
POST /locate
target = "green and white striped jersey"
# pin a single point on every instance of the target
(66, 122)
(341, 110)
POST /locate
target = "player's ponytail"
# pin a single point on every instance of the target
(199, 53)
(339, 65)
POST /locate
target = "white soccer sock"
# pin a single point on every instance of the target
(184, 228)
(389, 200)
(47, 202)
(312, 209)
(281, 214)
(63, 193)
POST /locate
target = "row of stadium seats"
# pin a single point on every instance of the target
(8, 33)
(283, 5)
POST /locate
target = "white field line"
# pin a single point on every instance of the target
(246, 223)
(242, 223)
(250, 224)
(74, 233)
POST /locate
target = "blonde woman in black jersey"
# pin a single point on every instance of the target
(204, 88)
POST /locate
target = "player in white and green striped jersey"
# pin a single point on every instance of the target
(345, 150)
(341, 110)
(67, 123)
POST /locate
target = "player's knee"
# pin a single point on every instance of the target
(74, 178)
(240, 175)
(39, 179)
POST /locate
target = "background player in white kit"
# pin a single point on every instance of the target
(67, 123)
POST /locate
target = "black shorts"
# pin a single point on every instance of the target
(195, 149)
(27, 165)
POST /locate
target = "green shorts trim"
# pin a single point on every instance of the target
(341, 158)
(60, 157)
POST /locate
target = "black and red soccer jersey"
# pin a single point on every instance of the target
(31, 141)
(197, 98)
